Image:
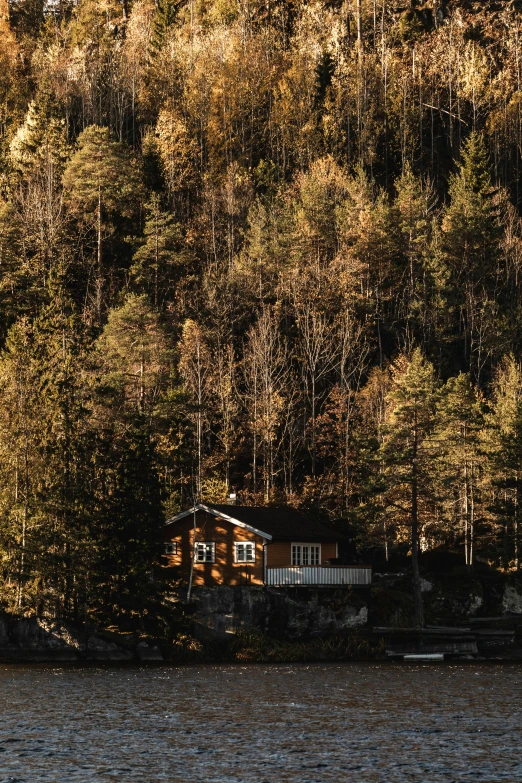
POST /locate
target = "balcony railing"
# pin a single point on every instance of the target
(319, 576)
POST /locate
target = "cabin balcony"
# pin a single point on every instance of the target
(319, 576)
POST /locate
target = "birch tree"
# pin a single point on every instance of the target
(266, 373)
(195, 366)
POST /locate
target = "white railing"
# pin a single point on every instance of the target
(319, 575)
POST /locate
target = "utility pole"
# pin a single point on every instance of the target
(191, 576)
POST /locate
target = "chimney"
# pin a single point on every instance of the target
(231, 500)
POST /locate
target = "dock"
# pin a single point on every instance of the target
(437, 643)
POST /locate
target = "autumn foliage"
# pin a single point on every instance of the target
(271, 248)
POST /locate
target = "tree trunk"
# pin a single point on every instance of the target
(417, 592)
(99, 284)
(466, 515)
(254, 447)
(191, 575)
(515, 525)
(313, 424)
(471, 522)
(156, 262)
(142, 386)
(199, 438)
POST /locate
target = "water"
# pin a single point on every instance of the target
(359, 723)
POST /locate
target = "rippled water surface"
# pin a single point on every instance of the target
(256, 724)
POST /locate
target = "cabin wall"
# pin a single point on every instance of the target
(224, 535)
(279, 553)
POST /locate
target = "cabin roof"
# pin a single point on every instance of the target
(279, 524)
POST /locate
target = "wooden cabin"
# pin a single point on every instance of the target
(246, 545)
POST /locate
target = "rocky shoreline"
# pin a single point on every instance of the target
(296, 624)
(38, 640)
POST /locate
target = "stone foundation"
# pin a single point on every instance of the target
(291, 614)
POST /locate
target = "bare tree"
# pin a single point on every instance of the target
(266, 370)
(195, 366)
(225, 394)
(316, 327)
(353, 362)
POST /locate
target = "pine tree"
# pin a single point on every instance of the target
(41, 140)
(130, 368)
(17, 285)
(13, 87)
(459, 425)
(472, 231)
(162, 259)
(18, 441)
(134, 354)
(509, 466)
(102, 183)
(164, 18)
(407, 455)
(503, 446)
(43, 462)
(322, 193)
(125, 518)
(413, 208)
(368, 250)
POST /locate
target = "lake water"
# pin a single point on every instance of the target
(359, 723)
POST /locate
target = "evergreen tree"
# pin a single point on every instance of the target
(17, 284)
(102, 183)
(131, 364)
(14, 92)
(509, 474)
(164, 18)
(472, 231)
(459, 425)
(502, 443)
(125, 519)
(43, 464)
(413, 207)
(368, 251)
(20, 537)
(407, 455)
(284, 161)
(162, 259)
(134, 355)
(41, 140)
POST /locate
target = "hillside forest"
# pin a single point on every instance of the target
(264, 247)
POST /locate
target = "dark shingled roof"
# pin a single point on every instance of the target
(281, 523)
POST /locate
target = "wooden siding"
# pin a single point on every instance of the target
(279, 553)
(224, 534)
(319, 575)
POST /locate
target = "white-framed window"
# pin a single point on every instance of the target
(244, 552)
(306, 554)
(205, 552)
(171, 548)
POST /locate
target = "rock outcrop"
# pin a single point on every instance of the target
(35, 639)
(512, 599)
(297, 613)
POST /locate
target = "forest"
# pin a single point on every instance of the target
(269, 247)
